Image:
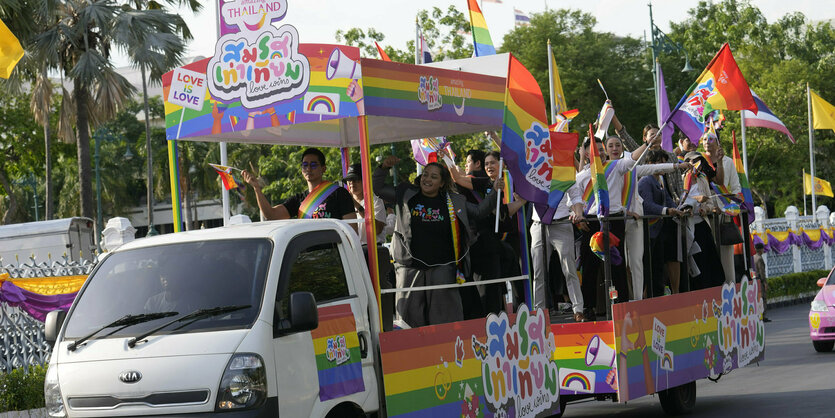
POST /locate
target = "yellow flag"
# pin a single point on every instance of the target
(822, 187)
(559, 96)
(10, 51)
(823, 113)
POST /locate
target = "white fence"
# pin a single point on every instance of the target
(800, 257)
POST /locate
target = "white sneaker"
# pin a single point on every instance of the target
(400, 324)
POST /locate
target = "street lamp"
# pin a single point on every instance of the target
(103, 134)
(660, 42)
(31, 182)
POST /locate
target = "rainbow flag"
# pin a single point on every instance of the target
(720, 86)
(598, 179)
(234, 120)
(482, 43)
(337, 351)
(563, 174)
(526, 139)
(571, 342)
(225, 173)
(747, 198)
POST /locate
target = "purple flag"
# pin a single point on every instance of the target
(664, 104)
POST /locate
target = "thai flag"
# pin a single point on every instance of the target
(765, 118)
(425, 53)
(522, 18)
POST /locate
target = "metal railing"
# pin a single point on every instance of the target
(22, 342)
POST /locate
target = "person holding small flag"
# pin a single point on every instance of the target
(613, 177)
(322, 199)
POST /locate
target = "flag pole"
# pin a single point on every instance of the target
(803, 179)
(744, 145)
(811, 150)
(551, 85)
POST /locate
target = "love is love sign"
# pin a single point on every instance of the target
(188, 89)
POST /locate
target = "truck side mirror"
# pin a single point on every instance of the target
(52, 325)
(304, 315)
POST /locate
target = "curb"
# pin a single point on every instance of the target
(781, 301)
(32, 413)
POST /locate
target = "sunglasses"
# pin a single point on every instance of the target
(310, 165)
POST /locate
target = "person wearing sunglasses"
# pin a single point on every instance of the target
(322, 199)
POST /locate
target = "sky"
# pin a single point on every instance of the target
(318, 20)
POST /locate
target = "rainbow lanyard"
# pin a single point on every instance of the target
(456, 238)
(608, 169)
(315, 198)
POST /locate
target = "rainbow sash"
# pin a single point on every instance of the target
(588, 193)
(630, 181)
(456, 238)
(315, 198)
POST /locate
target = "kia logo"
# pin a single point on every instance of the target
(131, 376)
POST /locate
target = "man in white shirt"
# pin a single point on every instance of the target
(353, 180)
(559, 236)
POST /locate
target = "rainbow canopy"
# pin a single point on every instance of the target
(335, 86)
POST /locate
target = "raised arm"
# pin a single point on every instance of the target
(270, 212)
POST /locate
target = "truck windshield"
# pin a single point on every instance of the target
(179, 278)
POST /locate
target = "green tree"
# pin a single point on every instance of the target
(77, 41)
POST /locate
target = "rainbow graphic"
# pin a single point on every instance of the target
(321, 103)
(482, 43)
(291, 117)
(576, 381)
(338, 358)
(276, 54)
(667, 361)
(570, 342)
(233, 120)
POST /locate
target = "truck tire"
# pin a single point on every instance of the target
(678, 400)
(347, 410)
(823, 346)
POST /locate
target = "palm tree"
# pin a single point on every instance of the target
(77, 41)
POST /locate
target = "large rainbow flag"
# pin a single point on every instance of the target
(482, 43)
(338, 357)
(598, 178)
(526, 139)
(720, 86)
(747, 197)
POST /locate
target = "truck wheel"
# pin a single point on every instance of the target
(346, 410)
(678, 400)
(823, 346)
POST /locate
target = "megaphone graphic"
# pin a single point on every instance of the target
(599, 353)
(340, 66)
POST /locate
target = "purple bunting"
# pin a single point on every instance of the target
(34, 304)
(758, 240)
(812, 244)
(781, 247)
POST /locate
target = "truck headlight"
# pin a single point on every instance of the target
(244, 383)
(818, 306)
(52, 393)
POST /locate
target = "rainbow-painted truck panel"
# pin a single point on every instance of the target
(500, 366)
(655, 344)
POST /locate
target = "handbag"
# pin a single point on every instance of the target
(729, 234)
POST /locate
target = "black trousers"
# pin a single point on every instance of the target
(710, 265)
(592, 265)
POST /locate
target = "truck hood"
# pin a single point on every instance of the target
(189, 344)
(177, 374)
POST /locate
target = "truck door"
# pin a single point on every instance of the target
(332, 364)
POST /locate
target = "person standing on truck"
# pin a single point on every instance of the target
(431, 242)
(322, 199)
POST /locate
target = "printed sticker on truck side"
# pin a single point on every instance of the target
(337, 351)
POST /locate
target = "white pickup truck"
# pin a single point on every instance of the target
(268, 319)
